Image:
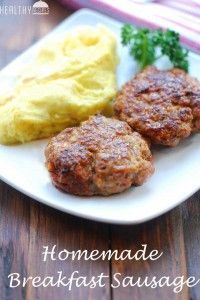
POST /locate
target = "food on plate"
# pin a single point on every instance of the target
(70, 79)
(100, 157)
(146, 46)
(161, 105)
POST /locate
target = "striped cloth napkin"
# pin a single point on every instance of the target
(182, 16)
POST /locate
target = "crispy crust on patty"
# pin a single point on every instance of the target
(101, 157)
(162, 105)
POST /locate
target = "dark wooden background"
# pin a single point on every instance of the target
(26, 225)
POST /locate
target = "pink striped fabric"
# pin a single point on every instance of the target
(182, 16)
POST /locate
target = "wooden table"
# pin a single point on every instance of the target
(26, 225)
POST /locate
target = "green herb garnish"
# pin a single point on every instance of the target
(144, 44)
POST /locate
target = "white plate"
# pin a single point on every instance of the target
(177, 173)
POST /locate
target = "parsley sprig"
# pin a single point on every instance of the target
(144, 44)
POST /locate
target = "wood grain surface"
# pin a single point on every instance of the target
(26, 225)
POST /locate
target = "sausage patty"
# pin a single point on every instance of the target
(162, 105)
(101, 157)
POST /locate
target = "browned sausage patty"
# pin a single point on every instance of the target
(162, 105)
(101, 157)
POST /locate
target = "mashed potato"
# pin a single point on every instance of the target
(69, 79)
